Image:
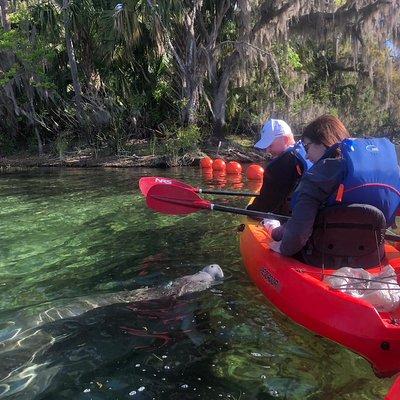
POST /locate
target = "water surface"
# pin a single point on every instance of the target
(67, 233)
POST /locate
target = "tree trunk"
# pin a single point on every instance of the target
(189, 114)
(4, 15)
(219, 108)
(229, 67)
(39, 141)
(191, 74)
(72, 64)
(221, 96)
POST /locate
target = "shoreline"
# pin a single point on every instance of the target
(78, 160)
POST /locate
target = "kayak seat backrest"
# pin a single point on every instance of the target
(347, 236)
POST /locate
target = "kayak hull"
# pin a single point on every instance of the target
(298, 291)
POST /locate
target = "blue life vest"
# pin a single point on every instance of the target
(300, 153)
(372, 176)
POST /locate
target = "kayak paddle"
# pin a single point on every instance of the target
(177, 200)
(147, 182)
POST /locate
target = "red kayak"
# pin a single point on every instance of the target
(298, 291)
(394, 392)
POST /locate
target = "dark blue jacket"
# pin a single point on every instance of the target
(313, 191)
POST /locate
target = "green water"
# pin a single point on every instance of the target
(79, 232)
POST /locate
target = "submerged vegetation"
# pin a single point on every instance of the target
(107, 75)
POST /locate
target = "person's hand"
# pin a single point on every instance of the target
(275, 246)
(270, 224)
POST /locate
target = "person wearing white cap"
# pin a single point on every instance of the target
(283, 172)
(276, 137)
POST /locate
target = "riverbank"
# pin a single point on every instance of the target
(89, 159)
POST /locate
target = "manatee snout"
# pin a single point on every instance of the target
(215, 271)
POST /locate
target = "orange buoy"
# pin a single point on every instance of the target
(254, 186)
(219, 178)
(207, 174)
(233, 167)
(206, 162)
(255, 172)
(218, 165)
(235, 180)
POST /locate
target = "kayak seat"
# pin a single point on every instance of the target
(347, 236)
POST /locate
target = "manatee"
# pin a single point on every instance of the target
(26, 338)
(200, 281)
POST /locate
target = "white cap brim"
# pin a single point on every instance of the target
(263, 143)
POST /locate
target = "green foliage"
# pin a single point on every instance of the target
(187, 138)
(132, 85)
(161, 90)
(61, 144)
(14, 41)
(229, 30)
(176, 142)
(6, 76)
(302, 103)
(364, 112)
(8, 144)
(293, 58)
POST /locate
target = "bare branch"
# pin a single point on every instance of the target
(268, 15)
(335, 19)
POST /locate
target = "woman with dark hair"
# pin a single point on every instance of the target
(316, 185)
(321, 134)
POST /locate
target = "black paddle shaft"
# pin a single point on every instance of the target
(282, 218)
(392, 237)
(249, 213)
(227, 192)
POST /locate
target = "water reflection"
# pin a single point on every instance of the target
(220, 179)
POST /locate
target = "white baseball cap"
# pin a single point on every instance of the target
(272, 129)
